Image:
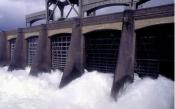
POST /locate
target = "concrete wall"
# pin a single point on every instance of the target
(143, 17)
(75, 60)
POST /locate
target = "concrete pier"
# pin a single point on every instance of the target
(41, 62)
(18, 60)
(125, 66)
(74, 66)
(3, 49)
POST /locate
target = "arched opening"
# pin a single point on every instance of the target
(155, 50)
(12, 43)
(59, 48)
(32, 43)
(101, 50)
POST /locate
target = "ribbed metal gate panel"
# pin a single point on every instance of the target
(147, 67)
(102, 51)
(147, 62)
(154, 51)
(31, 49)
(59, 48)
(12, 47)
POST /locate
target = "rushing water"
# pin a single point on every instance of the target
(18, 90)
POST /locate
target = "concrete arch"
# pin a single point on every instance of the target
(99, 30)
(11, 37)
(112, 26)
(59, 31)
(151, 22)
(59, 35)
(154, 26)
(28, 35)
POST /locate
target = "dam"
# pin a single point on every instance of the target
(140, 41)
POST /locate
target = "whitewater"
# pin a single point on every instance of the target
(19, 90)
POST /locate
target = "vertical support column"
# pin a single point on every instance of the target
(47, 11)
(18, 60)
(125, 67)
(3, 49)
(41, 61)
(74, 62)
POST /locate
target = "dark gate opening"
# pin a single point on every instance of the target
(31, 49)
(155, 51)
(101, 50)
(59, 48)
(12, 47)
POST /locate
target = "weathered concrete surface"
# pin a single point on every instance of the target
(113, 26)
(58, 31)
(74, 64)
(125, 66)
(18, 60)
(41, 61)
(3, 49)
(10, 37)
(28, 35)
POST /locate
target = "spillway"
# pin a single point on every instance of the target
(18, 90)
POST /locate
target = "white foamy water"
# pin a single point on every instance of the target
(18, 90)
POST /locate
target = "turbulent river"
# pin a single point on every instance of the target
(18, 90)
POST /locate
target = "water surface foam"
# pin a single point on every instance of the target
(18, 90)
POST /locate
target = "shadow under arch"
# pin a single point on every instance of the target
(31, 48)
(59, 45)
(101, 50)
(155, 50)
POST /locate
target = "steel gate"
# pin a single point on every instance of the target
(149, 67)
(12, 47)
(147, 62)
(59, 48)
(102, 50)
(154, 51)
(31, 49)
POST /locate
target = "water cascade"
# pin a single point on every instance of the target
(18, 90)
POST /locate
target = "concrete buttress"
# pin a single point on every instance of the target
(74, 62)
(41, 61)
(125, 66)
(3, 49)
(18, 60)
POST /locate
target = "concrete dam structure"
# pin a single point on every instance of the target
(96, 43)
